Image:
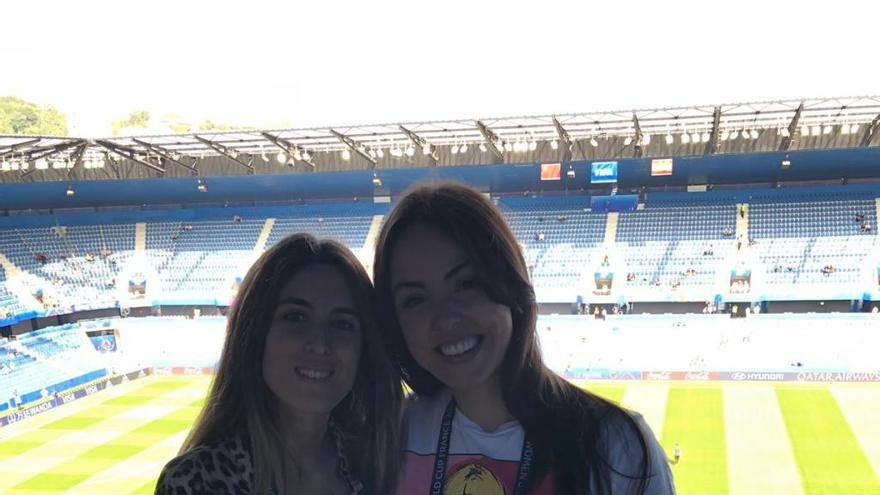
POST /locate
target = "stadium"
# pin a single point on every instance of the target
(715, 268)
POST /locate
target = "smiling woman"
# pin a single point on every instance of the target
(305, 399)
(458, 313)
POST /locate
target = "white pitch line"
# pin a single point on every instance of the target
(759, 454)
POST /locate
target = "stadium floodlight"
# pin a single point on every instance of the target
(508, 146)
(685, 138)
(594, 143)
(380, 153)
(724, 135)
(454, 149)
(41, 164)
(306, 156)
(410, 151)
(785, 132)
(669, 139)
(346, 155)
(827, 130)
(646, 140)
(69, 191)
(427, 149)
(372, 153)
(817, 130)
(281, 157)
(695, 137)
(628, 141)
(262, 155)
(533, 145)
(755, 134)
(463, 148)
(854, 129)
(705, 137)
(554, 144)
(734, 134)
(844, 129)
(483, 147)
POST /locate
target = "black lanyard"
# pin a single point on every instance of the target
(438, 475)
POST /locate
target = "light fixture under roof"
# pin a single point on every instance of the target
(346, 155)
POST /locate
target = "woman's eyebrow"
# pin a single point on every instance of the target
(295, 300)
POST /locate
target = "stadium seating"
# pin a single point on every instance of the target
(51, 358)
(796, 240)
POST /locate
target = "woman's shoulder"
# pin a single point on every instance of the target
(627, 441)
(221, 466)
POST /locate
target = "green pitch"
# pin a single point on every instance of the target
(735, 438)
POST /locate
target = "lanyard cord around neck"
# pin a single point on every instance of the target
(438, 474)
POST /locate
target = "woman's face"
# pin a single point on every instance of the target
(451, 326)
(314, 342)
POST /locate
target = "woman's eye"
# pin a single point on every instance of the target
(294, 316)
(468, 283)
(346, 325)
(411, 301)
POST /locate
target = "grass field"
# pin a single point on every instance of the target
(736, 438)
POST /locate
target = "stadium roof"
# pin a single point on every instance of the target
(729, 128)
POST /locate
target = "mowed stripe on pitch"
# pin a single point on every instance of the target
(828, 455)
(649, 400)
(860, 406)
(759, 456)
(43, 459)
(695, 419)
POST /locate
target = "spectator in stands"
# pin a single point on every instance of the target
(865, 227)
(42, 257)
(16, 400)
(305, 399)
(751, 241)
(727, 232)
(188, 228)
(236, 218)
(90, 257)
(630, 277)
(451, 281)
(105, 252)
(562, 218)
(860, 218)
(62, 255)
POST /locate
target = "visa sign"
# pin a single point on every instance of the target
(603, 172)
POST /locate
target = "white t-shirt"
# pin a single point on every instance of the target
(487, 463)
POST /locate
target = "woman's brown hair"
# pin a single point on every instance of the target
(240, 403)
(563, 421)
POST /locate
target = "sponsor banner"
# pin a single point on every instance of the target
(180, 370)
(755, 376)
(551, 171)
(603, 172)
(69, 396)
(587, 374)
(701, 376)
(661, 166)
(626, 375)
(839, 376)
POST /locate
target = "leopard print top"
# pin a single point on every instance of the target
(220, 468)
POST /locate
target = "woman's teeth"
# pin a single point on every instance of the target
(314, 374)
(460, 347)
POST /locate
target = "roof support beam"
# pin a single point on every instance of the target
(564, 138)
(293, 150)
(130, 154)
(354, 146)
(712, 145)
(51, 151)
(792, 129)
(420, 143)
(230, 153)
(8, 150)
(637, 140)
(168, 156)
(492, 140)
(871, 131)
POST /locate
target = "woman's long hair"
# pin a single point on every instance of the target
(563, 422)
(240, 403)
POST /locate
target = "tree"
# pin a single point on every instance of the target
(20, 117)
(139, 120)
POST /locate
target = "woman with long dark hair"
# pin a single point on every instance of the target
(305, 399)
(458, 314)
